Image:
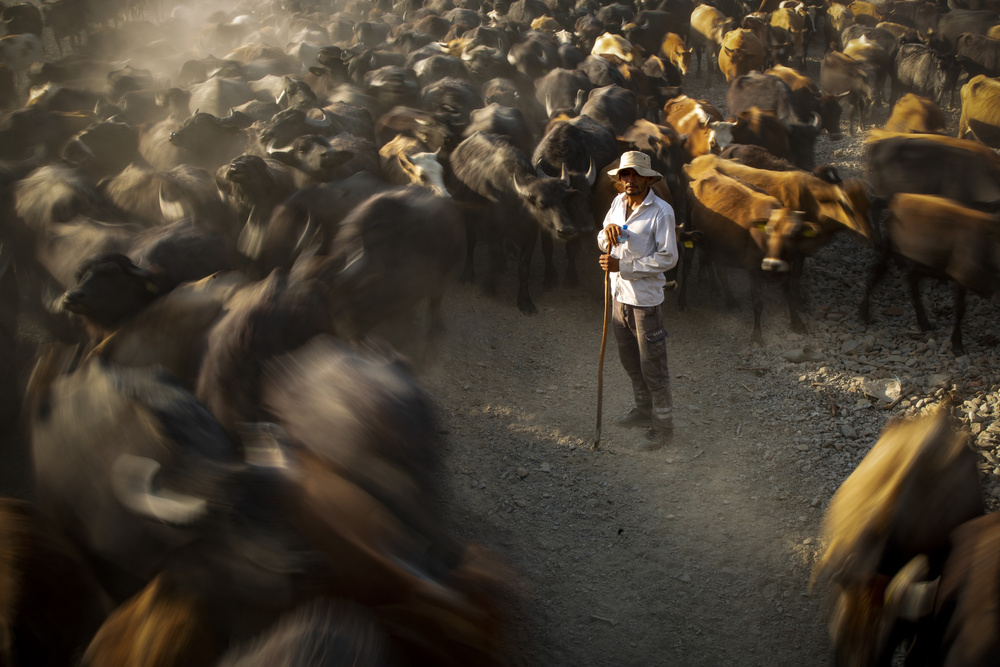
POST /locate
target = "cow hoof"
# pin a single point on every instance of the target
(527, 307)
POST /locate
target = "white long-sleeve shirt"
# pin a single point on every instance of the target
(649, 250)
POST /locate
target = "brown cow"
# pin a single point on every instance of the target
(676, 51)
(838, 17)
(822, 202)
(941, 238)
(789, 26)
(741, 53)
(161, 626)
(981, 111)
(708, 27)
(742, 228)
(913, 113)
(867, 13)
(917, 484)
(706, 131)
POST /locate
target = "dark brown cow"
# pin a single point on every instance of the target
(742, 228)
(917, 484)
(810, 100)
(763, 128)
(940, 238)
(841, 75)
(872, 56)
(913, 113)
(50, 604)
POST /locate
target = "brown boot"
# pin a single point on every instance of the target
(655, 438)
(634, 418)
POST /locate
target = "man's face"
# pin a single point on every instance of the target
(633, 183)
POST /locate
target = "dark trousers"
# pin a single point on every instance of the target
(642, 347)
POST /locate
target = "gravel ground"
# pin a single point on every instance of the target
(698, 554)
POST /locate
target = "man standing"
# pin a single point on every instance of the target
(640, 242)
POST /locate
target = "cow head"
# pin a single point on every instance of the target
(784, 230)
(424, 169)
(110, 288)
(291, 123)
(561, 206)
(312, 155)
(721, 135)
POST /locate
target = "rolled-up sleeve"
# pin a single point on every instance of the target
(662, 259)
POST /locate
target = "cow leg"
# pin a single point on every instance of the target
(573, 247)
(913, 279)
(468, 274)
(524, 273)
(686, 259)
(791, 288)
(877, 271)
(722, 273)
(551, 278)
(956, 332)
(757, 299)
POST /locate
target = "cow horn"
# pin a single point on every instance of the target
(519, 187)
(564, 175)
(282, 98)
(133, 479)
(251, 239)
(263, 444)
(171, 210)
(307, 233)
(548, 105)
(326, 123)
(817, 120)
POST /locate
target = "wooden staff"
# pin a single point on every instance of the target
(600, 363)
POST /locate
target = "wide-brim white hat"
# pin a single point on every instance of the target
(638, 161)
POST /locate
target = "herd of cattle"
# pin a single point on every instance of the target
(207, 236)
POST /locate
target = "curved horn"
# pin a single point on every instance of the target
(548, 105)
(133, 479)
(564, 175)
(251, 239)
(326, 123)
(591, 173)
(817, 120)
(171, 210)
(307, 233)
